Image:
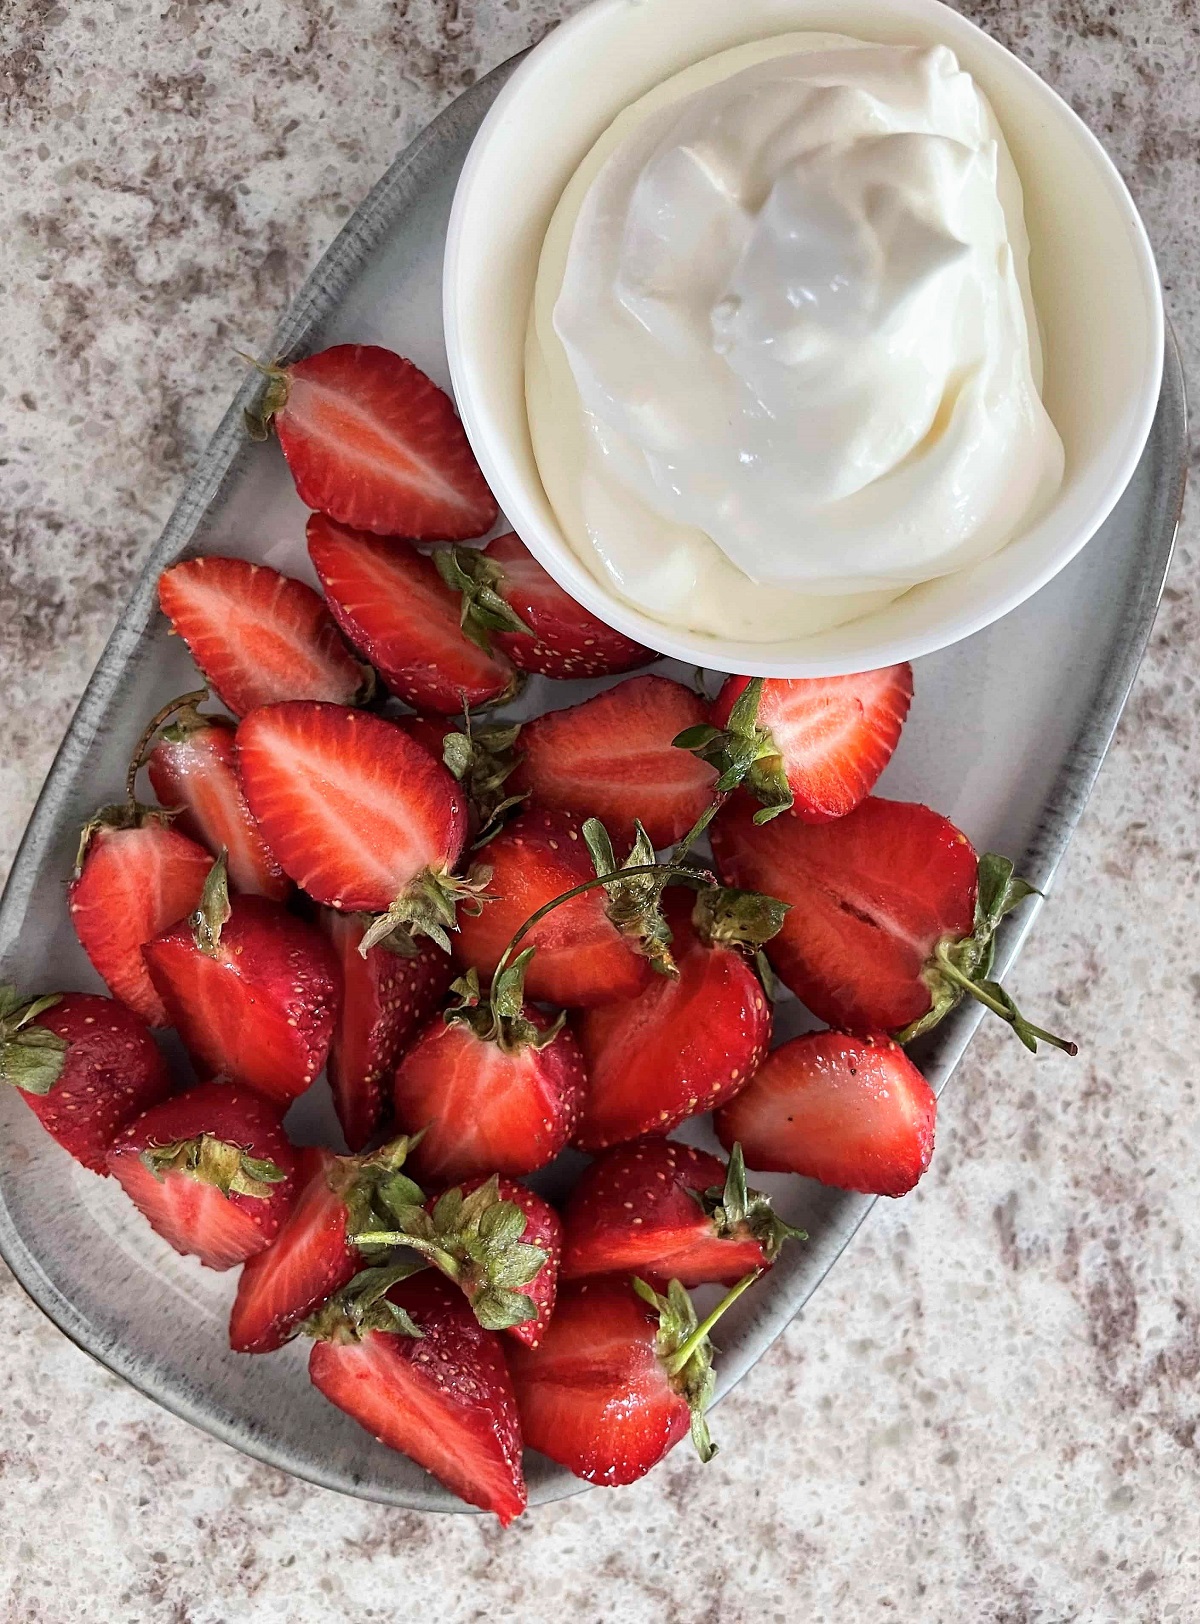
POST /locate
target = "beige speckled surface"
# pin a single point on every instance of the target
(989, 1413)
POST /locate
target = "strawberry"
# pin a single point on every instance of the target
(253, 990)
(259, 636)
(596, 947)
(852, 1112)
(612, 758)
(893, 916)
(374, 443)
(509, 601)
(498, 1240)
(491, 1087)
(393, 605)
(813, 744)
(211, 1170)
(134, 877)
(357, 814)
(388, 994)
(482, 756)
(620, 1376)
(669, 1212)
(412, 1364)
(192, 769)
(313, 1256)
(84, 1065)
(684, 1045)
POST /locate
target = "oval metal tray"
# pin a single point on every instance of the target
(1006, 737)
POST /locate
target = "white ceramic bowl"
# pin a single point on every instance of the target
(1093, 273)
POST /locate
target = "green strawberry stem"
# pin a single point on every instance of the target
(1007, 1011)
(137, 760)
(684, 1353)
(669, 871)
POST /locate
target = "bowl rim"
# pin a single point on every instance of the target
(490, 442)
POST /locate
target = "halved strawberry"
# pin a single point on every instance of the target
(619, 1378)
(416, 1369)
(852, 1112)
(192, 768)
(613, 758)
(495, 1238)
(313, 1256)
(357, 813)
(259, 636)
(591, 950)
(394, 606)
(253, 991)
(84, 1065)
(211, 1170)
(135, 876)
(893, 916)
(815, 744)
(388, 994)
(509, 601)
(490, 1087)
(669, 1212)
(682, 1045)
(373, 442)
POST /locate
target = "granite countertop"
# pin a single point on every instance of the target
(989, 1412)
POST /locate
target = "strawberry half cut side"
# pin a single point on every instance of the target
(411, 1363)
(84, 1065)
(374, 443)
(668, 1211)
(393, 605)
(848, 1111)
(192, 767)
(258, 636)
(892, 915)
(359, 815)
(815, 745)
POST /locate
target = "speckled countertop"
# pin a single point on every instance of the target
(989, 1413)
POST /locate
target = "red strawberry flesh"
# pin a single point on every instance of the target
(374, 443)
(354, 810)
(835, 735)
(133, 884)
(582, 958)
(309, 1260)
(258, 636)
(851, 1112)
(444, 1399)
(193, 768)
(612, 758)
(872, 894)
(395, 608)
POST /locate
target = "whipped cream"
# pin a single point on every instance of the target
(783, 363)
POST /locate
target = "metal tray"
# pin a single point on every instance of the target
(1006, 737)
